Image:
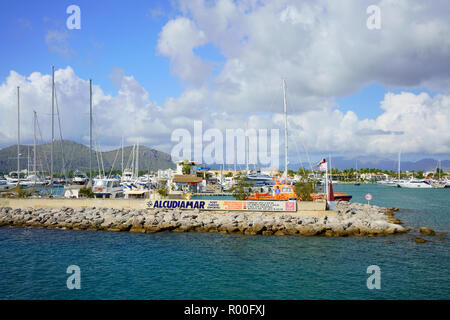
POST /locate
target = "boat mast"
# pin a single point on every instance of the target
(28, 160)
(18, 136)
(34, 142)
(285, 132)
(53, 126)
(399, 165)
(439, 169)
(246, 148)
(122, 155)
(137, 160)
(90, 130)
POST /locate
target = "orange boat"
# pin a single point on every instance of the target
(279, 192)
(338, 196)
(287, 192)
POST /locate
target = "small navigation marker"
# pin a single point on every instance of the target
(368, 197)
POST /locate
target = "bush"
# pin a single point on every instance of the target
(23, 193)
(303, 190)
(86, 192)
(239, 189)
(163, 192)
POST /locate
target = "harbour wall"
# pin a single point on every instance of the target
(307, 207)
(349, 218)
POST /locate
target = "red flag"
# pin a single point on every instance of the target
(322, 161)
(330, 192)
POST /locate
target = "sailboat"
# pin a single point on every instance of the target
(357, 183)
(279, 191)
(286, 191)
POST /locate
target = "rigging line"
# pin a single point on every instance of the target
(96, 150)
(128, 166)
(43, 153)
(299, 157)
(99, 145)
(98, 160)
(289, 94)
(60, 135)
(114, 162)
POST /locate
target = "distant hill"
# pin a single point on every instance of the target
(76, 156)
(342, 163)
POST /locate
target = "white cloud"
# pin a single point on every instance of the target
(322, 48)
(58, 42)
(177, 40)
(412, 123)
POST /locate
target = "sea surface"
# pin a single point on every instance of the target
(33, 262)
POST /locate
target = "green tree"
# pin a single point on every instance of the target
(163, 192)
(303, 190)
(142, 172)
(240, 189)
(86, 192)
(186, 169)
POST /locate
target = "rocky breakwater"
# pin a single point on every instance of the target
(349, 219)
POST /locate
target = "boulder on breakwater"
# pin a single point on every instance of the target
(350, 219)
(427, 231)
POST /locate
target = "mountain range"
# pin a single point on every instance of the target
(342, 163)
(76, 157)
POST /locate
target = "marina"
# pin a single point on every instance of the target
(225, 150)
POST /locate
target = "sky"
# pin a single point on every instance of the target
(158, 66)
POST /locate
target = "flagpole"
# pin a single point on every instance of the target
(326, 181)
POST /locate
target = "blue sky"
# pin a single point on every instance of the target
(223, 58)
(111, 35)
(120, 34)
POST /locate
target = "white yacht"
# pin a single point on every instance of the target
(32, 180)
(413, 183)
(391, 182)
(79, 178)
(128, 176)
(107, 188)
(4, 184)
(11, 178)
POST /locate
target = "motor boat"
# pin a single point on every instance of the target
(4, 184)
(107, 188)
(80, 178)
(128, 176)
(416, 184)
(278, 191)
(258, 179)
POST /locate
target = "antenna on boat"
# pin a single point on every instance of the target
(53, 125)
(18, 136)
(137, 159)
(34, 143)
(285, 132)
(90, 130)
(246, 147)
(122, 155)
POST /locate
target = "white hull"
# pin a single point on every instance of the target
(415, 185)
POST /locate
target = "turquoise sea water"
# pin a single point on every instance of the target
(217, 266)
